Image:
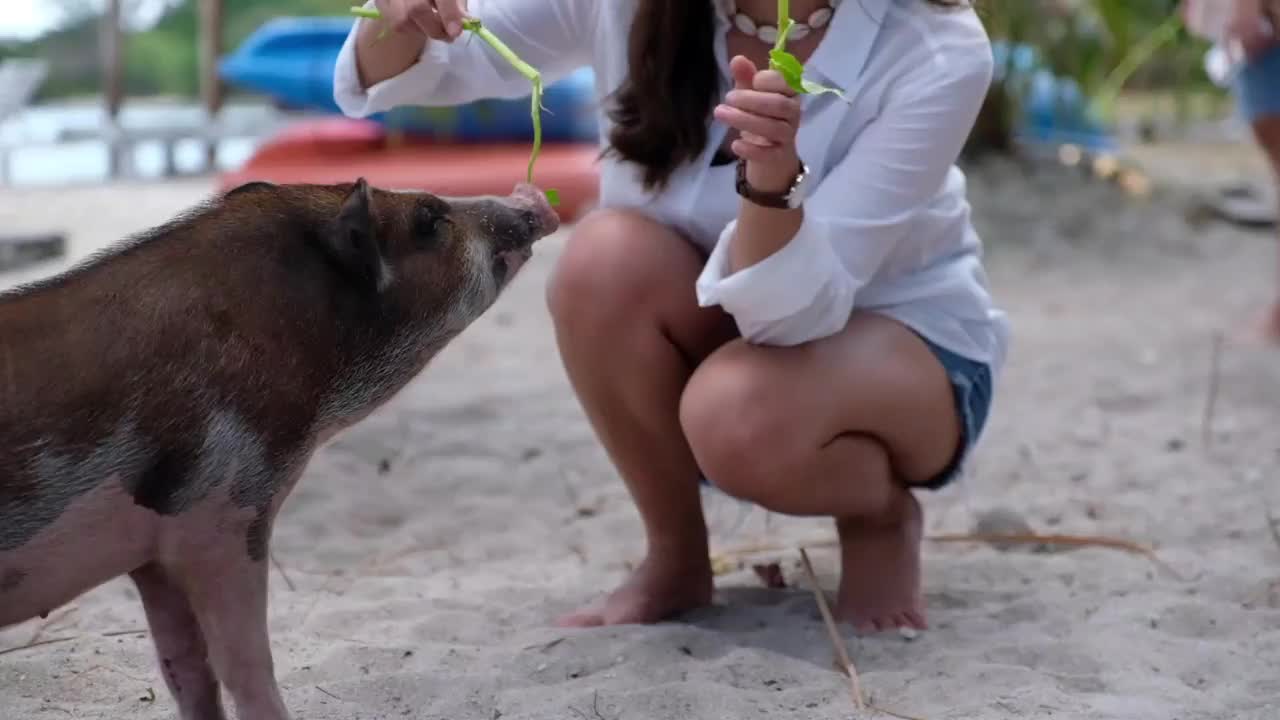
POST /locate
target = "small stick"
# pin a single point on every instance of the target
(326, 692)
(49, 622)
(283, 574)
(116, 633)
(1273, 523)
(1211, 400)
(1068, 540)
(1014, 538)
(855, 685)
(117, 671)
(28, 646)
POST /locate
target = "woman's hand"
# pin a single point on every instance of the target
(437, 19)
(766, 113)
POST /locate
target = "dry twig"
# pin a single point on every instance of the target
(1211, 400)
(1067, 540)
(1273, 523)
(49, 623)
(117, 633)
(283, 574)
(29, 646)
(326, 692)
(1078, 541)
(833, 632)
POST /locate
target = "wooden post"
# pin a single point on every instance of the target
(211, 90)
(112, 46)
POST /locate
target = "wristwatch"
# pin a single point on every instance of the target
(789, 199)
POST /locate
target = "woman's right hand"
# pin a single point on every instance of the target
(436, 19)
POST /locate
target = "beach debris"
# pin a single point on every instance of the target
(20, 251)
(1001, 521)
(771, 575)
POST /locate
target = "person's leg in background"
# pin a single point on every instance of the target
(1258, 90)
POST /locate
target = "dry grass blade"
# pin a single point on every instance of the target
(118, 633)
(1211, 400)
(283, 574)
(1273, 523)
(29, 646)
(1098, 541)
(833, 632)
(49, 622)
(891, 713)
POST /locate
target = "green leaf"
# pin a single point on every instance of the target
(474, 26)
(814, 88)
(788, 67)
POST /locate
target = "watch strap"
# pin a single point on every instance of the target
(778, 200)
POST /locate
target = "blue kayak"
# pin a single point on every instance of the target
(291, 60)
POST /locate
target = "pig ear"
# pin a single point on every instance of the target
(354, 243)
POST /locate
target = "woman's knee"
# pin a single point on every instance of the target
(611, 267)
(742, 437)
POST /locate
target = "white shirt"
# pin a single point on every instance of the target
(886, 224)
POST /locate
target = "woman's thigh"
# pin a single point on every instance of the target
(623, 273)
(775, 406)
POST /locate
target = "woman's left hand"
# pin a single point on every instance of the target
(766, 113)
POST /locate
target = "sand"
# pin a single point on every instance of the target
(426, 550)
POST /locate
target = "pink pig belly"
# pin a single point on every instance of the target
(102, 534)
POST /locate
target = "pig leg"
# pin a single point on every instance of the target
(179, 644)
(230, 600)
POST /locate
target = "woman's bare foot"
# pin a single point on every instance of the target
(880, 569)
(1259, 329)
(656, 591)
(1270, 325)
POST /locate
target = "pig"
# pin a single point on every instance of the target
(159, 401)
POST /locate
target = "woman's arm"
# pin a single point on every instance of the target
(782, 278)
(372, 75)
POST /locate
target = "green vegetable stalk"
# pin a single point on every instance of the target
(786, 64)
(530, 73)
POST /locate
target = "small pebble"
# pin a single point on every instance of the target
(1002, 521)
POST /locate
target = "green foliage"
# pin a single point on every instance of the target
(530, 73)
(159, 61)
(788, 65)
(1105, 46)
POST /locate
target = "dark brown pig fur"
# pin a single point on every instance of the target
(158, 402)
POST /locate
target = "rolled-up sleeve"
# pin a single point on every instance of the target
(554, 36)
(854, 217)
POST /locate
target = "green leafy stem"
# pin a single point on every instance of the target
(530, 73)
(786, 64)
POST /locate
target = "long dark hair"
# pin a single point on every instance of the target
(660, 111)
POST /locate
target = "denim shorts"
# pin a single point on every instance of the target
(971, 389)
(1257, 86)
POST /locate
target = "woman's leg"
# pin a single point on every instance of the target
(630, 333)
(841, 427)
(1266, 129)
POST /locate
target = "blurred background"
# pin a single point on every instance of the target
(99, 91)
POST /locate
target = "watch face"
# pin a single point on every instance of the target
(796, 196)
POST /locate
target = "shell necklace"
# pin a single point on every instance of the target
(768, 34)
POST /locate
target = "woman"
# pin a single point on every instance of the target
(1247, 33)
(780, 294)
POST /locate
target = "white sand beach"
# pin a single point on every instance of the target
(425, 552)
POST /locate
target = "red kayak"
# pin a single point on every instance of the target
(336, 150)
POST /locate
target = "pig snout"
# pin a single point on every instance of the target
(527, 197)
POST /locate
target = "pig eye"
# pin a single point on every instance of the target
(428, 226)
